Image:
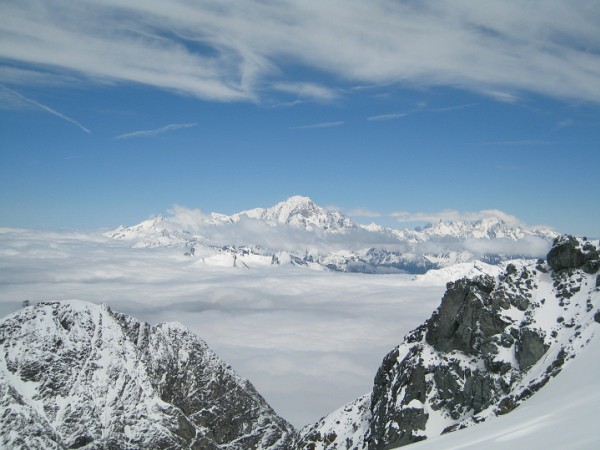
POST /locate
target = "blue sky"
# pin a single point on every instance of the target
(111, 112)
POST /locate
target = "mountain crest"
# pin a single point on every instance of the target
(491, 344)
(74, 374)
(301, 212)
(298, 225)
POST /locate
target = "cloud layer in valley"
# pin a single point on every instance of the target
(309, 341)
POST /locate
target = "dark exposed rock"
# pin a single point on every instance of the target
(465, 318)
(568, 253)
(591, 266)
(597, 316)
(530, 348)
(395, 424)
(468, 321)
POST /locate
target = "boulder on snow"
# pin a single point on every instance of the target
(530, 348)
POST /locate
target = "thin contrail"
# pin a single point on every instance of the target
(156, 131)
(47, 109)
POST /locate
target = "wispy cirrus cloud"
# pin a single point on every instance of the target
(310, 91)
(565, 123)
(453, 214)
(19, 101)
(320, 125)
(361, 212)
(518, 142)
(421, 107)
(452, 108)
(384, 117)
(155, 131)
(239, 51)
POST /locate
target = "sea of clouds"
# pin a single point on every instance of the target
(310, 341)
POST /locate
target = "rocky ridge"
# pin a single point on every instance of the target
(78, 375)
(491, 344)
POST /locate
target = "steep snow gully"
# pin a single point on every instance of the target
(78, 375)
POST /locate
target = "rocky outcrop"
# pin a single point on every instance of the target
(75, 375)
(571, 253)
(475, 357)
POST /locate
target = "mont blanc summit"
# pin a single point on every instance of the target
(322, 239)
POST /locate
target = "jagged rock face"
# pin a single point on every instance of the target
(570, 253)
(466, 318)
(74, 375)
(490, 345)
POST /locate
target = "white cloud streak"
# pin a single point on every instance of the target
(453, 214)
(320, 125)
(232, 51)
(308, 90)
(518, 142)
(38, 105)
(452, 108)
(361, 212)
(156, 131)
(384, 117)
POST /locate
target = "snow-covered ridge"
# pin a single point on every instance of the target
(492, 344)
(75, 374)
(300, 212)
(315, 237)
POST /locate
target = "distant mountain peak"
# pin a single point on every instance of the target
(298, 199)
(302, 212)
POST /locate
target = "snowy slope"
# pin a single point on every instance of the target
(562, 415)
(74, 374)
(315, 236)
(458, 271)
(491, 345)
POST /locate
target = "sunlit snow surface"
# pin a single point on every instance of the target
(309, 340)
(562, 415)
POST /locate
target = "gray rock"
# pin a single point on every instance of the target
(568, 253)
(393, 423)
(466, 317)
(530, 348)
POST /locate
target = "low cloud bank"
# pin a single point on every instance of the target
(246, 231)
(290, 331)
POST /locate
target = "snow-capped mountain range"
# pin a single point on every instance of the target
(299, 232)
(78, 375)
